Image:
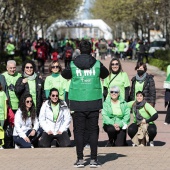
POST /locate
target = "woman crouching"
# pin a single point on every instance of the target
(143, 129)
(55, 120)
(26, 125)
(116, 117)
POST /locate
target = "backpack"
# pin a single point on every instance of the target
(68, 54)
(39, 53)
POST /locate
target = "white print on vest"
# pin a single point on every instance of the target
(78, 72)
(85, 81)
(86, 72)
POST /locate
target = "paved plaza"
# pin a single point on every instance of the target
(117, 158)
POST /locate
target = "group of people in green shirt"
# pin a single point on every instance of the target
(116, 92)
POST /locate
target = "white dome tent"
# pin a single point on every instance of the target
(91, 28)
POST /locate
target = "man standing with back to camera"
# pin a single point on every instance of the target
(85, 95)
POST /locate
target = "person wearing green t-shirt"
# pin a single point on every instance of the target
(31, 83)
(117, 77)
(144, 114)
(3, 114)
(143, 82)
(11, 76)
(10, 49)
(55, 80)
(116, 117)
(55, 120)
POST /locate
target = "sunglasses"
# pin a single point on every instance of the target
(55, 67)
(115, 92)
(29, 67)
(53, 95)
(28, 101)
(115, 64)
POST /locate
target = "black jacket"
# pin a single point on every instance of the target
(83, 62)
(21, 89)
(4, 85)
(148, 90)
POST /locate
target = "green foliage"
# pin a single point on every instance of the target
(161, 64)
(131, 12)
(162, 55)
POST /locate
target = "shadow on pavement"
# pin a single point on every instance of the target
(105, 157)
(159, 143)
(162, 112)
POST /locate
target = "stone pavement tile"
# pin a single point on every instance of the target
(63, 158)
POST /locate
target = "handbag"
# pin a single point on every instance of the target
(10, 116)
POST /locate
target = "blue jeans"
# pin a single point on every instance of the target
(23, 144)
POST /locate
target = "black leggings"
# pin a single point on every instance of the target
(119, 137)
(133, 129)
(167, 118)
(63, 140)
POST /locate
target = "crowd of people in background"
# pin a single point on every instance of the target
(43, 109)
(44, 49)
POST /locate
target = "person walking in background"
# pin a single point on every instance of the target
(10, 49)
(143, 129)
(133, 47)
(117, 77)
(102, 46)
(141, 52)
(41, 55)
(121, 49)
(115, 117)
(24, 49)
(67, 54)
(85, 97)
(143, 82)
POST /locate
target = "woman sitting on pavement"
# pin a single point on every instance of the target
(143, 82)
(116, 117)
(55, 120)
(55, 80)
(143, 129)
(117, 77)
(26, 126)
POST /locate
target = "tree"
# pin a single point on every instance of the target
(140, 14)
(20, 17)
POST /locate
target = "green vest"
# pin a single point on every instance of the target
(11, 79)
(85, 84)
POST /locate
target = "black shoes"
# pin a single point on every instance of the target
(79, 163)
(94, 164)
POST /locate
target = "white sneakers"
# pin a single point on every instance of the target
(1, 147)
(166, 123)
(151, 143)
(16, 146)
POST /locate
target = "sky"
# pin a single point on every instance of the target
(84, 9)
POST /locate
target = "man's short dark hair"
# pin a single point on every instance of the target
(85, 47)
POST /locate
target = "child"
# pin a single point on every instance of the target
(3, 114)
